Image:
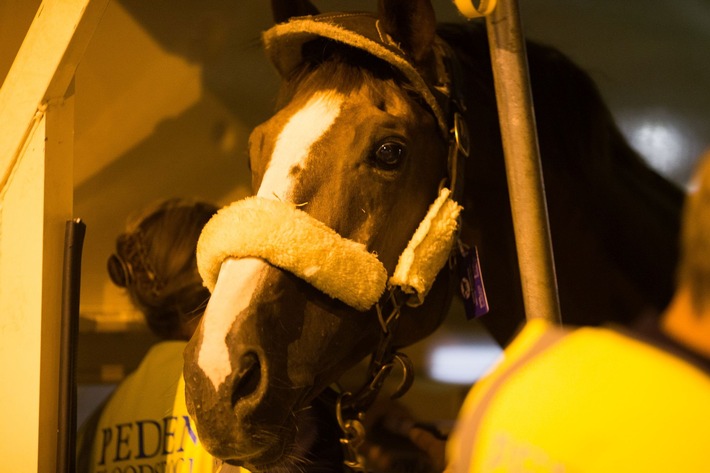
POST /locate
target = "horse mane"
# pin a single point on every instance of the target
(634, 211)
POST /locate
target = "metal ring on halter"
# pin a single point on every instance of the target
(459, 148)
(463, 141)
(354, 435)
(469, 10)
(407, 375)
(379, 379)
(339, 409)
(346, 424)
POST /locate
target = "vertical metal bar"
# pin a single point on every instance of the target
(522, 160)
(71, 282)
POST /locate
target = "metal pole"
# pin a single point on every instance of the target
(522, 158)
(71, 282)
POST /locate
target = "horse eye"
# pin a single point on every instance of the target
(389, 155)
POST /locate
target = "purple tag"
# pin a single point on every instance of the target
(471, 282)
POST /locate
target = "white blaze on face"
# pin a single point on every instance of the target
(225, 304)
(238, 279)
(294, 143)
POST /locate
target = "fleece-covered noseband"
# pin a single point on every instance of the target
(292, 240)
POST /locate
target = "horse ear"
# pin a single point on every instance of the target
(411, 23)
(283, 10)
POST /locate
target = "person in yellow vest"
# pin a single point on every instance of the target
(144, 426)
(603, 399)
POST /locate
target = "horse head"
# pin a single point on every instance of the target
(351, 219)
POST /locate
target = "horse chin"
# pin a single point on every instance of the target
(305, 437)
(288, 453)
(260, 448)
(309, 443)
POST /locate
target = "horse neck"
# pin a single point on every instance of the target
(610, 214)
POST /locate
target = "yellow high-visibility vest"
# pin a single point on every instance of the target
(144, 427)
(584, 400)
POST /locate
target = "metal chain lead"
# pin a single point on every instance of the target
(350, 408)
(353, 436)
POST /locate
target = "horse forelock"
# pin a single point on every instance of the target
(330, 65)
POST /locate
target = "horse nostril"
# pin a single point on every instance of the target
(247, 377)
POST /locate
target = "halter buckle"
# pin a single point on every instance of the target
(459, 145)
(461, 136)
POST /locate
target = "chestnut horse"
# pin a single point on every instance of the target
(348, 173)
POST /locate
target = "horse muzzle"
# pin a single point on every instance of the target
(249, 380)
